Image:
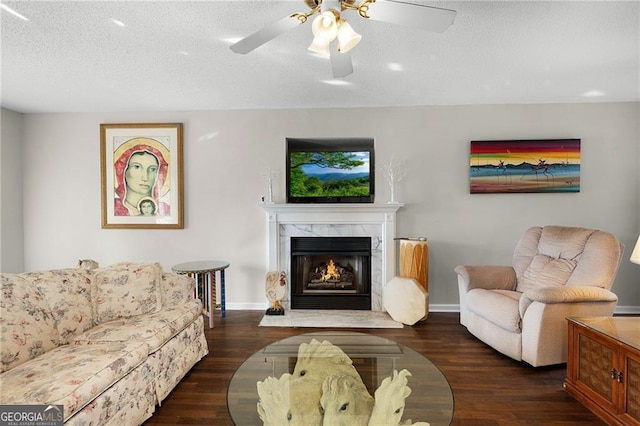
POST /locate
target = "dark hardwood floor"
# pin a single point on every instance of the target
(488, 388)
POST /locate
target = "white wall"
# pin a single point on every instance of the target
(227, 151)
(11, 238)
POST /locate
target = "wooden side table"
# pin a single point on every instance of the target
(204, 272)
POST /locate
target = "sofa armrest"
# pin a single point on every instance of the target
(489, 277)
(177, 289)
(571, 294)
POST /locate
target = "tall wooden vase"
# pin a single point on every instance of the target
(414, 261)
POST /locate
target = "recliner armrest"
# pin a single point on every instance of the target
(572, 294)
(489, 277)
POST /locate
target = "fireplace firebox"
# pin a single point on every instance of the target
(331, 273)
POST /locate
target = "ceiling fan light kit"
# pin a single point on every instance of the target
(347, 37)
(326, 28)
(325, 25)
(320, 48)
(329, 26)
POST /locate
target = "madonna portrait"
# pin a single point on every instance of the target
(141, 175)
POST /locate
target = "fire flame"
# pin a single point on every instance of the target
(331, 272)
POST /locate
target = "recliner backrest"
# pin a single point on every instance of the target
(561, 255)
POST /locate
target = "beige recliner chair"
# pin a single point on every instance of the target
(557, 272)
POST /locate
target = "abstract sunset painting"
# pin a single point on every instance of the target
(525, 166)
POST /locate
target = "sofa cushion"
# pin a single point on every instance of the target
(71, 375)
(497, 306)
(27, 326)
(547, 270)
(557, 253)
(125, 290)
(68, 293)
(129, 401)
(155, 329)
(177, 289)
(599, 261)
(176, 357)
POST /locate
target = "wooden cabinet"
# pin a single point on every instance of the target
(603, 367)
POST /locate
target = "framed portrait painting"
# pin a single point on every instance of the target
(141, 171)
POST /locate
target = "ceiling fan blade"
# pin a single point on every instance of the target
(266, 34)
(341, 64)
(415, 15)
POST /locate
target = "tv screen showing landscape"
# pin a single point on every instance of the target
(330, 175)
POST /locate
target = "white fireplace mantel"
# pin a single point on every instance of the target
(376, 220)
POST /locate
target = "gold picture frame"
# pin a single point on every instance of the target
(141, 169)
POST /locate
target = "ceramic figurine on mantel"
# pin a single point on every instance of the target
(269, 174)
(393, 171)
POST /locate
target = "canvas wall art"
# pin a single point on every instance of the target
(515, 166)
(141, 169)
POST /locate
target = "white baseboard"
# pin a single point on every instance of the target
(440, 307)
(247, 306)
(627, 310)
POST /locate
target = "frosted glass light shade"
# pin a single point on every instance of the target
(347, 37)
(635, 256)
(319, 47)
(325, 27)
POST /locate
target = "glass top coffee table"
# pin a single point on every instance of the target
(375, 358)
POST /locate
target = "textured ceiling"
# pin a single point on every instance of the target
(72, 56)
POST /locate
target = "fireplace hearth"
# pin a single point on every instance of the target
(331, 273)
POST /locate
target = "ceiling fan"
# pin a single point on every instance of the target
(334, 37)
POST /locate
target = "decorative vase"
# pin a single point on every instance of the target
(270, 189)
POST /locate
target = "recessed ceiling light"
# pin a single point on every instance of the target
(118, 22)
(13, 12)
(393, 66)
(336, 82)
(592, 94)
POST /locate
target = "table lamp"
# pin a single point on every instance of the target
(635, 256)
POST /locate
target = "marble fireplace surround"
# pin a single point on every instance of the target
(375, 220)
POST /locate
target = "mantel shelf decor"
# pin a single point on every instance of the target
(394, 172)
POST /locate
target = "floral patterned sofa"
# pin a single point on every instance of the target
(107, 344)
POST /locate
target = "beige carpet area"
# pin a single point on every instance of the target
(330, 318)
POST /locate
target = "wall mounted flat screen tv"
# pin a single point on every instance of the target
(330, 170)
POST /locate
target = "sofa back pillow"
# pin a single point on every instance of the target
(27, 326)
(557, 253)
(68, 293)
(177, 289)
(125, 290)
